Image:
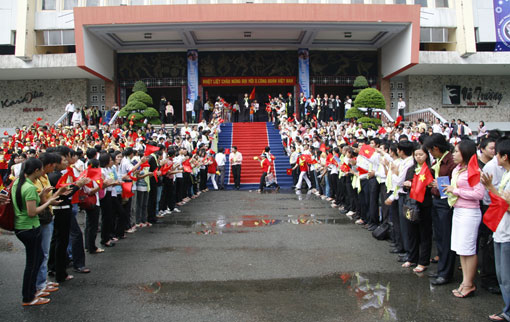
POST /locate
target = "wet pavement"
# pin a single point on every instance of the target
(243, 256)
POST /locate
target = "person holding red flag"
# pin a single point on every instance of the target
(302, 163)
(464, 195)
(418, 179)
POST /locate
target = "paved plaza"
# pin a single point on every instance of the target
(243, 256)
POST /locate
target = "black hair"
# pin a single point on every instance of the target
(104, 159)
(437, 140)
(467, 149)
(267, 149)
(377, 141)
(94, 163)
(393, 148)
(503, 147)
(64, 150)
(485, 142)
(424, 149)
(406, 147)
(50, 158)
(403, 137)
(128, 151)
(221, 150)
(27, 168)
(79, 153)
(91, 153)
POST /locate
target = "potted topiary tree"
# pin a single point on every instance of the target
(360, 83)
(370, 98)
(138, 107)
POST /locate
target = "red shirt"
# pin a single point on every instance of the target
(265, 165)
(212, 167)
(303, 166)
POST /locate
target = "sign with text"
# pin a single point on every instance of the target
(192, 74)
(502, 22)
(304, 71)
(27, 98)
(248, 81)
(464, 96)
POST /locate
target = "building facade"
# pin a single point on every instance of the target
(445, 55)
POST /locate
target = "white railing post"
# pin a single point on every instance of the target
(60, 119)
(114, 118)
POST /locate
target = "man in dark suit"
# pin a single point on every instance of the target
(197, 107)
(339, 109)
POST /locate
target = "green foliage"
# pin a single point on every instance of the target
(353, 113)
(370, 98)
(369, 121)
(140, 97)
(360, 83)
(151, 113)
(140, 87)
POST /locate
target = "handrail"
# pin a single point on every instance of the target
(378, 110)
(427, 110)
(114, 118)
(60, 119)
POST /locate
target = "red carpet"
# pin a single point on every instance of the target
(250, 139)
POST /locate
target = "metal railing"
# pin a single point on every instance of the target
(380, 114)
(114, 118)
(60, 119)
(427, 114)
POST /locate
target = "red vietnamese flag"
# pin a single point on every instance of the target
(155, 174)
(227, 151)
(308, 159)
(362, 171)
(252, 94)
(39, 119)
(6, 133)
(366, 150)
(473, 171)
(145, 165)
(382, 131)
(497, 209)
(165, 168)
(420, 183)
(95, 175)
(150, 149)
(323, 147)
(186, 166)
(399, 119)
(289, 172)
(345, 167)
(126, 190)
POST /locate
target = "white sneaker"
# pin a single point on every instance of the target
(176, 210)
(168, 212)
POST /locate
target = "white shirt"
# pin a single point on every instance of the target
(70, 108)
(348, 103)
(502, 233)
(401, 105)
(189, 107)
(492, 168)
(220, 159)
(235, 158)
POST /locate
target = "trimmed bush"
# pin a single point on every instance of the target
(139, 87)
(353, 113)
(370, 98)
(360, 83)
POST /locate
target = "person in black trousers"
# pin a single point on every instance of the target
(153, 193)
(62, 222)
(235, 159)
(419, 232)
(442, 214)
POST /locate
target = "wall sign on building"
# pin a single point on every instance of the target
(464, 96)
(502, 21)
(27, 99)
(192, 74)
(248, 81)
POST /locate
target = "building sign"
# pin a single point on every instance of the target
(248, 81)
(27, 98)
(304, 71)
(502, 22)
(192, 74)
(462, 96)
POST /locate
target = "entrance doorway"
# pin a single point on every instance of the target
(341, 91)
(231, 94)
(172, 94)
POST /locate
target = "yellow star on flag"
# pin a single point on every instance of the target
(422, 177)
(367, 151)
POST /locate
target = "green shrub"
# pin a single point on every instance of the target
(139, 87)
(140, 97)
(353, 113)
(370, 98)
(360, 83)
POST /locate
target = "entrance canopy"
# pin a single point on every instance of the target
(99, 31)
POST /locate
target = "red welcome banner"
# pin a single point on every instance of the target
(247, 81)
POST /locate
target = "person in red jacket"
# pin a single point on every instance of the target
(266, 169)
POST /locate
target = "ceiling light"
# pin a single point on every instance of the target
(147, 35)
(347, 34)
(247, 34)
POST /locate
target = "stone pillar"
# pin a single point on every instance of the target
(110, 94)
(25, 33)
(385, 90)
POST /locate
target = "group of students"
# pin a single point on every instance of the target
(121, 188)
(419, 189)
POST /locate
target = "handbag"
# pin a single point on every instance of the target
(86, 201)
(381, 232)
(410, 209)
(270, 179)
(7, 212)
(45, 217)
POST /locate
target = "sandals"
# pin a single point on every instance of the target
(37, 301)
(82, 270)
(420, 269)
(458, 294)
(54, 284)
(49, 289)
(497, 317)
(408, 265)
(434, 260)
(41, 294)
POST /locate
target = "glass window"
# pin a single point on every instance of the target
(422, 3)
(358, 1)
(179, 1)
(378, 1)
(400, 1)
(49, 4)
(94, 99)
(158, 1)
(400, 85)
(114, 2)
(67, 37)
(392, 95)
(441, 3)
(93, 88)
(92, 3)
(54, 37)
(207, 1)
(137, 2)
(70, 4)
(391, 104)
(392, 85)
(400, 95)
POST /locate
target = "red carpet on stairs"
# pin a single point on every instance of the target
(250, 139)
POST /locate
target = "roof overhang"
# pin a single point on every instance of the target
(101, 30)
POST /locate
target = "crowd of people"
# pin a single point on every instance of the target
(418, 184)
(124, 180)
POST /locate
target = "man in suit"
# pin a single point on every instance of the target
(197, 107)
(290, 106)
(339, 109)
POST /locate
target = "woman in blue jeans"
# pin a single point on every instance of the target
(27, 205)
